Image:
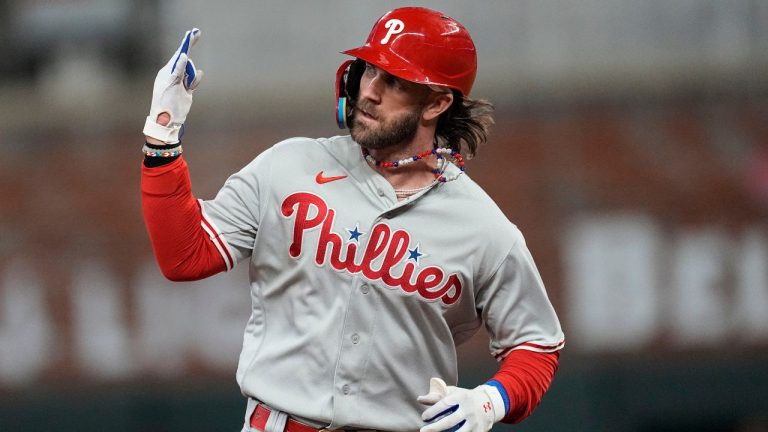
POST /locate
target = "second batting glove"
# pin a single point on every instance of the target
(459, 409)
(172, 92)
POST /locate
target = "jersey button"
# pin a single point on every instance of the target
(345, 389)
(355, 338)
(364, 289)
(380, 192)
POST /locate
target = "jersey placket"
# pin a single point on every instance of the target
(354, 351)
(382, 189)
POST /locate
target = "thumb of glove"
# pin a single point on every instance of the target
(196, 81)
(437, 390)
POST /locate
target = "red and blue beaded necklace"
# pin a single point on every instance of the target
(440, 153)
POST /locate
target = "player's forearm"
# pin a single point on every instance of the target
(182, 248)
(526, 376)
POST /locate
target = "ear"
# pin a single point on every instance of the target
(438, 103)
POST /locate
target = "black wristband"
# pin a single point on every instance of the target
(162, 146)
(156, 161)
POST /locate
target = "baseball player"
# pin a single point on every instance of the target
(371, 255)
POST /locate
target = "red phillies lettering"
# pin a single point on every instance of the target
(404, 281)
(427, 279)
(304, 201)
(398, 246)
(453, 283)
(376, 245)
(384, 251)
(329, 237)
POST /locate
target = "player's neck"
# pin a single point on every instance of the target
(413, 175)
(397, 154)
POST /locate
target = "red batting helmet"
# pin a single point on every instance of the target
(416, 44)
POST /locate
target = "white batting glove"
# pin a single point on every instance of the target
(459, 409)
(172, 92)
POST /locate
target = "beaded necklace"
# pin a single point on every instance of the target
(440, 153)
(407, 193)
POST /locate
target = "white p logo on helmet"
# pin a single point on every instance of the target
(395, 26)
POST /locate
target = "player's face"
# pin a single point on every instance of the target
(388, 110)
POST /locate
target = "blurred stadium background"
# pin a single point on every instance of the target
(631, 148)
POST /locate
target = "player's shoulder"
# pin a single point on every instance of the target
(473, 196)
(476, 203)
(306, 145)
(299, 151)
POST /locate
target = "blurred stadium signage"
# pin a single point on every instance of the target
(629, 286)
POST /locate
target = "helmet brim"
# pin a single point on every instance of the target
(394, 65)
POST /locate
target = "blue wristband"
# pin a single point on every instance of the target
(503, 393)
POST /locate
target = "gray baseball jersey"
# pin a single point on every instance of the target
(358, 298)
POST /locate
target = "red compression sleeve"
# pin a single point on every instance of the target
(173, 217)
(526, 376)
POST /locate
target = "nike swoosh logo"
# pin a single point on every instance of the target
(320, 179)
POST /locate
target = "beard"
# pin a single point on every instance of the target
(389, 133)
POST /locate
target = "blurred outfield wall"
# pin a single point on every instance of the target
(631, 148)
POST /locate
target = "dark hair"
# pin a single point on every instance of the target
(465, 125)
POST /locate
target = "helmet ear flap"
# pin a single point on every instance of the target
(347, 89)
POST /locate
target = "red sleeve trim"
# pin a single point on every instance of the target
(213, 232)
(184, 249)
(526, 375)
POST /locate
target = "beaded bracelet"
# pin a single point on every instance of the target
(162, 151)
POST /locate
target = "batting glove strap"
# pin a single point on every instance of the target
(463, 409)
(168, 135)
(172, 92)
